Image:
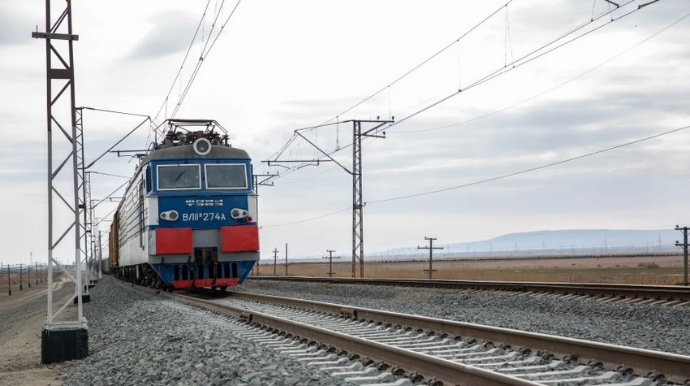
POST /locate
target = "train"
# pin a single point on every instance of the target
(189, 215)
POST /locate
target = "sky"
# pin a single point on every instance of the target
(279, 66)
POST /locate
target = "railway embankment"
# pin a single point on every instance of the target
(139, 338)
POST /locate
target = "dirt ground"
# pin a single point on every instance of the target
(632, 270)
(23, 314)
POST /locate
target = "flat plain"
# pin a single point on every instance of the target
(655, 270)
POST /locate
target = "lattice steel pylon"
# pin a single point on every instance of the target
(66, 339)
(357, 206)
(95, 247)
(356, 172)
(84, 198)
(357, 200)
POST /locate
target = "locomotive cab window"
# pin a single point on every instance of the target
(226, 176)
(176, 177)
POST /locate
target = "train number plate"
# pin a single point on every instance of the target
(207, 216)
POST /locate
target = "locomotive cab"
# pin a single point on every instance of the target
(189, 217)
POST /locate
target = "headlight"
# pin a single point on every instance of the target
(170, 215)
(238, 213)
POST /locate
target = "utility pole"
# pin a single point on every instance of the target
(357, 200)
(84, 189)
(275, 261)
(356, 173)
(67, 340)
(100, 256)
(431, 255)
(286, 259)
(330, 258)
(685, 252)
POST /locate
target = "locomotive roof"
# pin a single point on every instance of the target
(187, 151)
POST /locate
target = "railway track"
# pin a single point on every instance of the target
(672, 296)
(378, 347)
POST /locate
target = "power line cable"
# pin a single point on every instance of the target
(308, 219)
(538, 95)
(525, 59)
(532, 169)
(202, 58)
(200, 61)
(533, 55)
(106, 216)
(110, 195)
(387, 87)
(179, 72)
(552, 88)
(424, 62)
(493, 178)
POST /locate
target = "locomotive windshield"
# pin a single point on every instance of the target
(178, 177)
(225, 176)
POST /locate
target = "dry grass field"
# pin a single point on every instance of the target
(14, 281)
(631, 270)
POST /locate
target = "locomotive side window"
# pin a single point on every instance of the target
(148, 179)
(226, 176)
(175, 177)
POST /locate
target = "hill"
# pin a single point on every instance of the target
(570, 241)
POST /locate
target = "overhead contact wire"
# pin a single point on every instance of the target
(202, 58)
(552, 88)
(415, 68)
(514, 64)
(191, 44)
(387, 87)
(525, 59)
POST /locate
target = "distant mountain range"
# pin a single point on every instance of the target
(572, 241)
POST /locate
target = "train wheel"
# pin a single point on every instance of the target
(223, 288)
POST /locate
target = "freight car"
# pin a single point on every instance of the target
(189, 215)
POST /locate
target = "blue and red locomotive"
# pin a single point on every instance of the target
(189, 215)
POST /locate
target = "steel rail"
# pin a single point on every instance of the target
(675, 367)
(444, 370)
(627, 291)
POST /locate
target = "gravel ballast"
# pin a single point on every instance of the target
(139, 338)
(641, 326)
